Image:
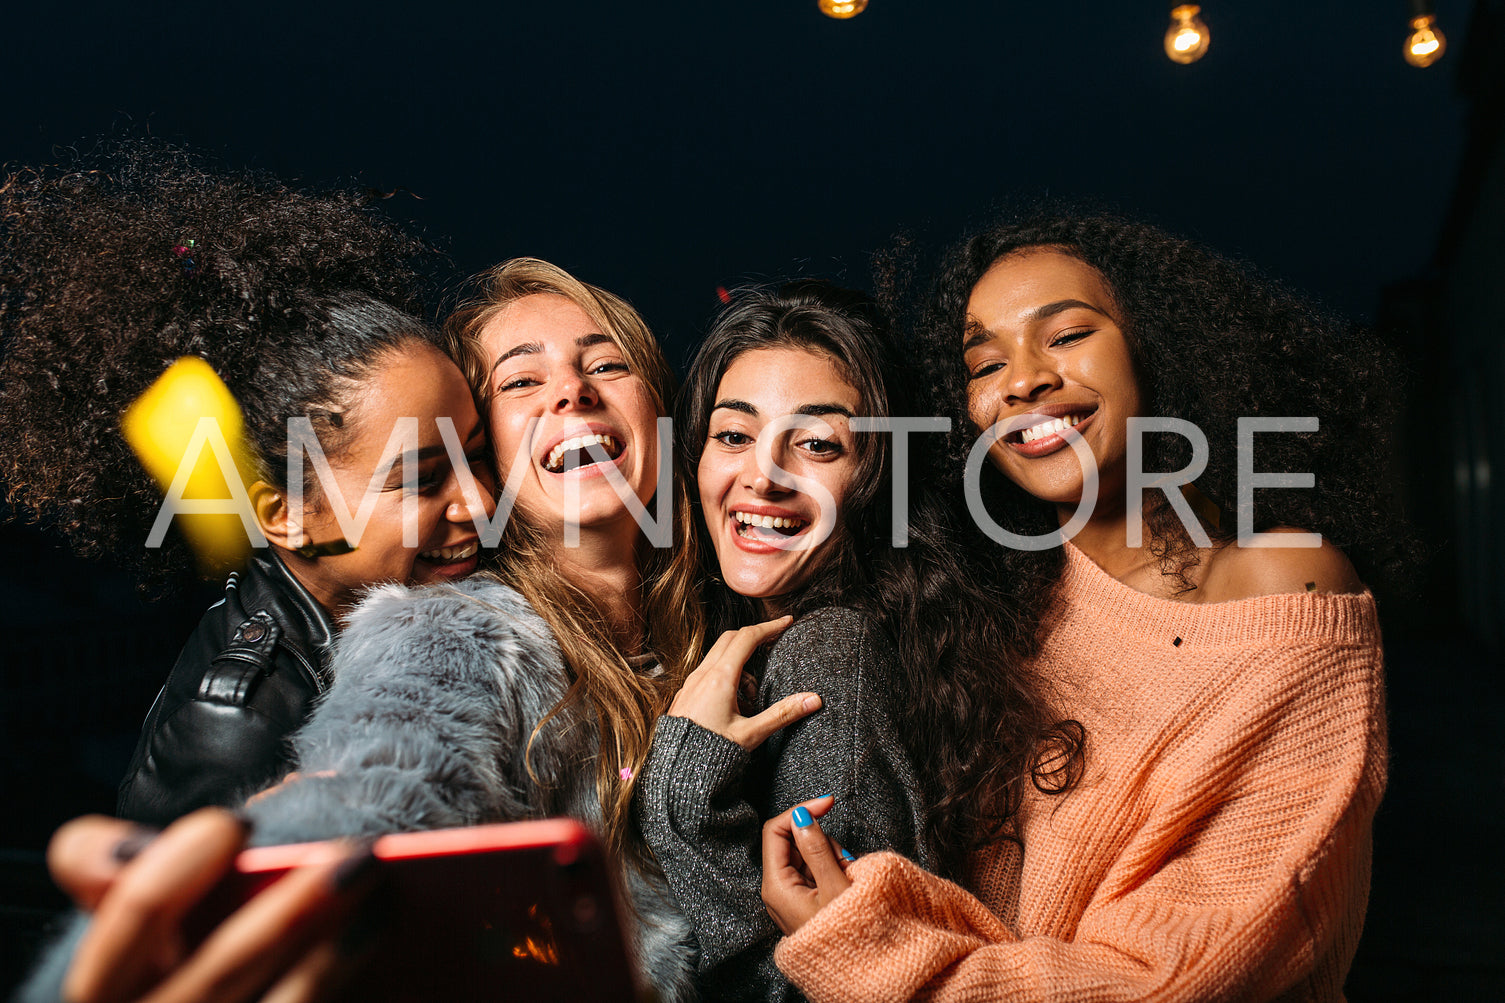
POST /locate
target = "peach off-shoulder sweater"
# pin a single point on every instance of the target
(1217, 847)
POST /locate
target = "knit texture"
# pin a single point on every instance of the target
(1217, 847)
(702, 799)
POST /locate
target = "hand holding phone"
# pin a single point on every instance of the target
(139, 890)
(518, 911)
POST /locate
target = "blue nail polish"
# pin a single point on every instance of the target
(847, 854)
(802, 817)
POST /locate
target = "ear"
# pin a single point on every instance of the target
(274, 516)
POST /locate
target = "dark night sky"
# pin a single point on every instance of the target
(662, 149)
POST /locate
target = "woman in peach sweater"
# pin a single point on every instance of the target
(1225, 665)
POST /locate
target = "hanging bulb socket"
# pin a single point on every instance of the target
(1426, 44)
(1187, 38)
(842, 9)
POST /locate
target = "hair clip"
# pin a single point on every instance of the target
(334, 548)
(184, 253)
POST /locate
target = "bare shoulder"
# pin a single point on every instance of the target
(1235, 572)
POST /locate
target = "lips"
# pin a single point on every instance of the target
(1042, 432)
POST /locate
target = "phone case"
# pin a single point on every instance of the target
(518, 911)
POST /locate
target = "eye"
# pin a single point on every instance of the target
(823, 448)
(432, 478)
(517, 383)
(614, 366)
(1069, 337)
(732, 438)
(986, 369)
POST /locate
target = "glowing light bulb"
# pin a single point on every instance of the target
(1187, 38)
(1425, 45)
(842, 9)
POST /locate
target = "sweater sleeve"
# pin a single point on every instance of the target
(1244, 873)
(426, 725)
(702, 815)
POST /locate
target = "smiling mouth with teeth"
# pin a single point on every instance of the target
(1048, 428)
(749, 524)
(448, 555)
(571, 454)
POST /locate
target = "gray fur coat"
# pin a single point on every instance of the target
(426, 726)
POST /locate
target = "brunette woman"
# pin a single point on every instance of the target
(1230, 683)
(791, 496)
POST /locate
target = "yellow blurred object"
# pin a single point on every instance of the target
(186, 429)
(1426, 44)
(842, 9)
(1187, 38)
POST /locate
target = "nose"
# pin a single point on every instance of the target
(575, 391)
(757, 480)
(1030, 375)
(460, 507)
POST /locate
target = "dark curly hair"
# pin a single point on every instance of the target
(961, 641)
(1211, 341)
(290, 295)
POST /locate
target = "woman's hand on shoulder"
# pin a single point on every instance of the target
(709, 694)
(1236, 572)
(140, 886)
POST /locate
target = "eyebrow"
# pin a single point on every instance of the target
(977, 334)
(814, 410)
(439, 449)
(533, 347)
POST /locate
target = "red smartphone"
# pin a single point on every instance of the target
(518, 911)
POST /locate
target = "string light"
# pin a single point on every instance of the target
(1426, 44)
(1187, 38)
(842, 9)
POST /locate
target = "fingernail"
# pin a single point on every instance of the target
(812, 703)
(847, 854)
(802, 817)
(130, 846)
(353, 868)
(820, 797)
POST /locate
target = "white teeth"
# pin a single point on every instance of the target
(451, 553)
(1048, 428)
(551, 462)
(769, 521)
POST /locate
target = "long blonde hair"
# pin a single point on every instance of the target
(626, 702)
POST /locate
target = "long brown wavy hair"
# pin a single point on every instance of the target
(626, 702)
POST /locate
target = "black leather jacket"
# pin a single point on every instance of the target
(243, 684)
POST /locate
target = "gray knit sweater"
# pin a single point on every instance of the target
(702, 799)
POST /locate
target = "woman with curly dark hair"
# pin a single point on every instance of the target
(1223, 657)
(781, 425)
(115, 266)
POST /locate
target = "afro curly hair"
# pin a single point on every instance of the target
(137, 253)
